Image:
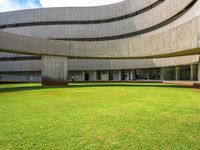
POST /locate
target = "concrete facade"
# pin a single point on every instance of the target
(146, 39)
(132, 24)
(199, 72)
(54, 70)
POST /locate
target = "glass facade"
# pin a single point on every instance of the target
(183, 72)
(148, 74)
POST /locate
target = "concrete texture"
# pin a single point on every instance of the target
(133, 24)
(199, 71)
(100, 64)
(76, 75)
(75, 13)
(114, 64)
(54, 70)
(92, 75)
(20, 65)
(174, 42)
(177, 73)
(158, 47)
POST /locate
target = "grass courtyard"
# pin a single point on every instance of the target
(99, 116)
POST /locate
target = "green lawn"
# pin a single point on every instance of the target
(99, 116)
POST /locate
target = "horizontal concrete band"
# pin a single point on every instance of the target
(83, 21)
(127, 35)
(112, 64)
(100, 64)
(75, 13)
(141, 24)
(180, 40)
(18, 58)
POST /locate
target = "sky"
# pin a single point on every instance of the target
(9, 5)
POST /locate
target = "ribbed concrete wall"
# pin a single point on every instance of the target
(54, 70)
(179, 36)
(199, 72)
(174, 42)
(100, 64)
(191, 13)
(8, 55)
(20, 65)
(142, 21)
(74, 13)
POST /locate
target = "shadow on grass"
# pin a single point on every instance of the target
(25, 88)
(40, 87)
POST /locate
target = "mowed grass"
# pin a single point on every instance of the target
(99, 116)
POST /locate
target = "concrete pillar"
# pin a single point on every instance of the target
(192, 72)
(199, 71)
(162, 73)
(83, 75)
(132, 74)
(116, 75)
(104, 75)
(177, 73)
(95, 75)
(54, 70)
(120, 75)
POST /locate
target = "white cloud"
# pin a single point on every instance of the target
(7, 5)
(10, 5)
(68, 3)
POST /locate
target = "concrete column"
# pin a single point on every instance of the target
(104, 75)
(95, 73)
(120, 75)
(199, 71)
(177, 73)
(162, 73)
(83, 75)
(132, 74)
(192, 72)
(54, 70)
(116, 75)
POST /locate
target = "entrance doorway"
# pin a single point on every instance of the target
(87, 76)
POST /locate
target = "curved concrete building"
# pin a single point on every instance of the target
(146, 39)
